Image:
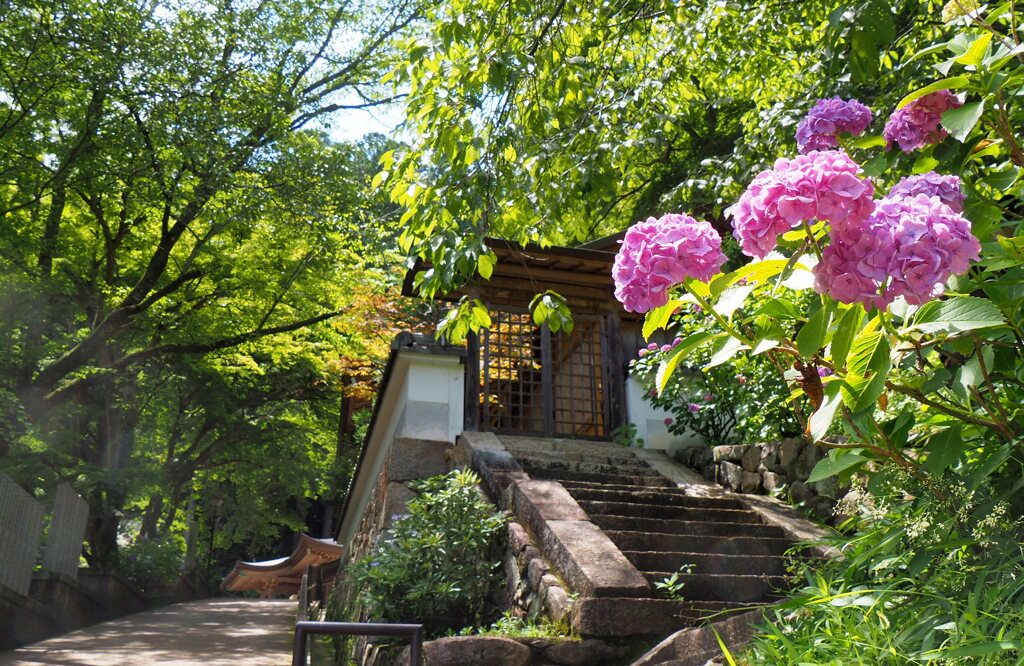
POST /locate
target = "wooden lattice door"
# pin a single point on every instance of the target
(531, 382)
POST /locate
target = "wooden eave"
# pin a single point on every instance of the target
(282, 572)
(583, 276)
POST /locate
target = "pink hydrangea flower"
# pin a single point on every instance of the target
(822, 185)
(909, 245)
(708, 397)
(741, 379)
(933, 241)
(666, 348)
(821, 126)
(855, 263)
(660, 253)
(946, 188)
(693, 407)
(918, 123)
(669, 421)
(653, 346)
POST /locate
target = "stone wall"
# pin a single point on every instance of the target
(778, 468)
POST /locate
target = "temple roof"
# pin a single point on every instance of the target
(581, 274)
(282, 575)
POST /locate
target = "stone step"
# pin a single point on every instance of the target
(651, 480)
(669, 512)
(725, 587)
(526, 444)
(611, 616)
(578, 457)
(636, 468)
(701, 527)
(640, 495)
(772, 565)
(629, 487)
(736, 545)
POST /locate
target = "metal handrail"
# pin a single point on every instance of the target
(304, 628)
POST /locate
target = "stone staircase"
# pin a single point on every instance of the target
(642, 517)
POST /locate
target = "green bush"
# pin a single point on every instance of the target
(921, 581)
(737, 402)
(152, 563)
(440, 563)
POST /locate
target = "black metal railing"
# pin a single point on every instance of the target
(305, 628)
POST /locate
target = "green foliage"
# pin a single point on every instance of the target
(671, 587)
(741, 400)
(556, 123)
(152, 563)
(517, 627)
(439, 564)
(180, 235)
(924, 580)
(625, 435)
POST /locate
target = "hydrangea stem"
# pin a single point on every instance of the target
(703, 302)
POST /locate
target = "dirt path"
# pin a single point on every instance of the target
(212, 632)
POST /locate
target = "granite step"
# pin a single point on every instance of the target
(641, 495)
(577, 457)
(529, 444)
(650, 480)
(725, 587)
(612, 616)
(630, 487)
(637, 468)
(700, 527)
(734, 545)
(669, 512)
(705, 563)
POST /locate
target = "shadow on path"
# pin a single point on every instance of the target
(211, 632)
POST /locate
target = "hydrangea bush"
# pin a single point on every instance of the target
(901, 317)
(905, 354)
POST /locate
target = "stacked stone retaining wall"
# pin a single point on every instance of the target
(780, 468)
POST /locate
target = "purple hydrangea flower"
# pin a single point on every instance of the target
(821, 126)
(911, 245)
(653, 346)
(660, 253)
(931, 184)
(666, 348)
(918, 123)
(694, 407)
(676, 342)
(822, 185)
(825, 372)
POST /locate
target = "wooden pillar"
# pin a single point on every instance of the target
(471, 421)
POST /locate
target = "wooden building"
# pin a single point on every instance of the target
(523, 379)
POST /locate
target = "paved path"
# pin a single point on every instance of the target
(212, 632)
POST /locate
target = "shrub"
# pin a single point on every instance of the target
(742, 400)
(922, 581)
(439, 564)
(152, 563)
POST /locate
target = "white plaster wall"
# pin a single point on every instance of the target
(650, 421)
(434, 396)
